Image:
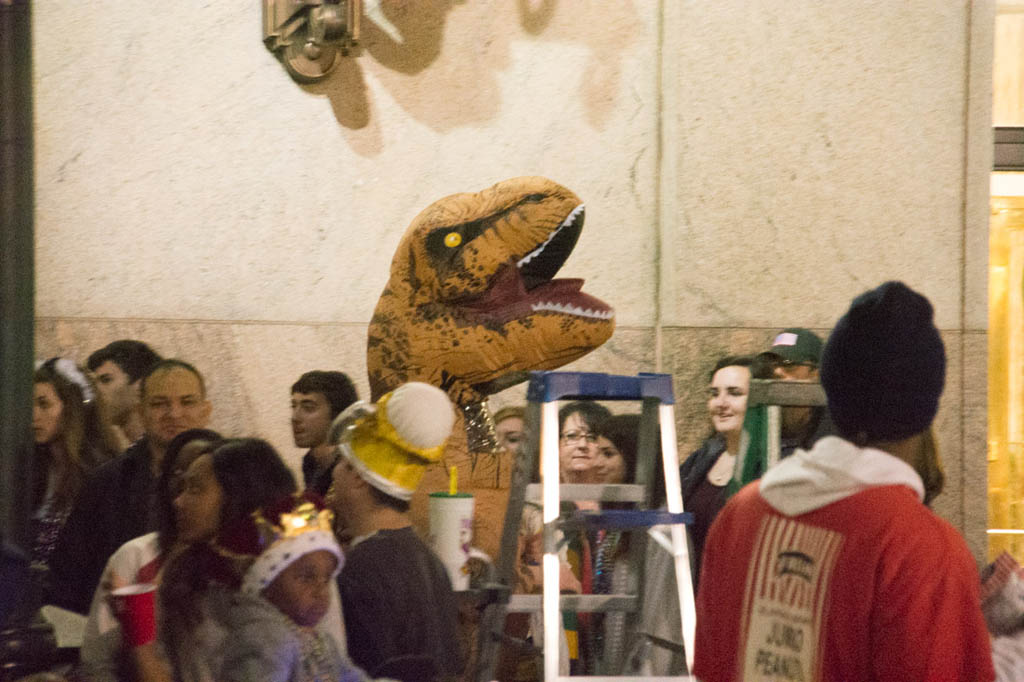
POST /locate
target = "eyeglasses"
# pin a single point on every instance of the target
(573, 437)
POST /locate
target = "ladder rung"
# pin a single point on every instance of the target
(546, 387)
(584, 603)
(600, 492)
(623, 519)
(779, 392)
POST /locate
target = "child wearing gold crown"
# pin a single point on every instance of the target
(283, 596)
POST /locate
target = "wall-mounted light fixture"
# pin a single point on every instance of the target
(311, 36)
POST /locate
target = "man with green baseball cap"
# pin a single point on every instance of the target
(797, 353)
(794, 355)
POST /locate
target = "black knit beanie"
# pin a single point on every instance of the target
(884, 366)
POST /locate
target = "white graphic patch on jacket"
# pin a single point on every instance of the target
(785, 600)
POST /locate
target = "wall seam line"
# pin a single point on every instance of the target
(659, 226)
(965, 177)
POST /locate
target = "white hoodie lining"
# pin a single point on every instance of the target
(832, 470)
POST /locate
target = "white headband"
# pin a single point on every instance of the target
(69, 371)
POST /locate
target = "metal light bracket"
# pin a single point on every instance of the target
(311, 36)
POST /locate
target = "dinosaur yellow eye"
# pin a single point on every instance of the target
(452, 239)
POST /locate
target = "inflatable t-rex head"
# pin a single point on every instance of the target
(471, 305)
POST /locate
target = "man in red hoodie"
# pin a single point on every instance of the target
(831, 567)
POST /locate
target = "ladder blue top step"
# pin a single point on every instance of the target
(546, 387)
(623, 519)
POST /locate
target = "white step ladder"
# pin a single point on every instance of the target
(657, 421)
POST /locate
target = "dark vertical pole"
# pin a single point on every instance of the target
(17, 273)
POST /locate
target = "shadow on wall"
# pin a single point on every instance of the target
(449, 83)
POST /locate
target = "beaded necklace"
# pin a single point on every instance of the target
(604, 573)
(319, 664)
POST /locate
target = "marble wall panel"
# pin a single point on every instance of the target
(817, 151)
(948, 428)
(978, 152)
(975, 443)
(745, 167)
(182, 174)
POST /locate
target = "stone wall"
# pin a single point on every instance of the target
(746, 166)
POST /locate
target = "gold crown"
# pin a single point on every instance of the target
(303, 519)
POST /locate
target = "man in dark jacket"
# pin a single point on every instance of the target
(117, 502)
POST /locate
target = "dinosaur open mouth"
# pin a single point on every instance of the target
(526, 287)
(541, 264)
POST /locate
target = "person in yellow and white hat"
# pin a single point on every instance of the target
(399, 608)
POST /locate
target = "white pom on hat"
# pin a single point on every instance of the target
(421, 414)
(391, 443)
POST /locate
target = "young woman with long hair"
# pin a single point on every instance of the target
(68, 445)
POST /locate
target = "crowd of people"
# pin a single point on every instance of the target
(830, 567)
(243, 567)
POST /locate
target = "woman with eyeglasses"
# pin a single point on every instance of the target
(577, 450)
(705, 473)
(577, 458)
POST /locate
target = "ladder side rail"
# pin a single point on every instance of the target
(492, 620)
(773, 448)
(525, 468)
(647, 450)
(680, 550)
(551, 508)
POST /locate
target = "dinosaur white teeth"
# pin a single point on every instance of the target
(568, 221)
(568, 309)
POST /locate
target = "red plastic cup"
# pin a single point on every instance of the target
(136, 609)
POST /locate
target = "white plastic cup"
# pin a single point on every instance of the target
(451, 532)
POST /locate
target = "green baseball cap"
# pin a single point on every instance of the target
(797, 345)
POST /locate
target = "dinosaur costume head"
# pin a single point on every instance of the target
(471, 305)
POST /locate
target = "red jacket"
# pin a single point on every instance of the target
(871, 586)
